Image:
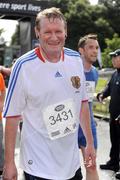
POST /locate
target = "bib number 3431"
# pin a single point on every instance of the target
(60, 119)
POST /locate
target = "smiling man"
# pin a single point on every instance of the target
(88, 47)
(47, 87)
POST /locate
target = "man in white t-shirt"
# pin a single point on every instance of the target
(47, 87)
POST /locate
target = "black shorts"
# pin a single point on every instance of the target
(78, 175)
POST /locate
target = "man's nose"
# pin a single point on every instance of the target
(54, 36)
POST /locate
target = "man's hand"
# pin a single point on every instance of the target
(99, 97)
(90, 157)
(118, 119)
(10, 172)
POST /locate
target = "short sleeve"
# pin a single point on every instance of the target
(84, 92)
(15, 98)
(83, 82)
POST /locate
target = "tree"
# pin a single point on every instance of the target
(109, 2)
(112, 45)
(113, 15)
(104, 30)
(83, 18)
(102, 27)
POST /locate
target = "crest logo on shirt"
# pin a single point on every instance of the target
(67, 130)
(75, 81)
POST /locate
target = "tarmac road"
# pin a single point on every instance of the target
(103, 149)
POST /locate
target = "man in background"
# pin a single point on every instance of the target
(118, 122)
(88, 47)
(113, 90)
(2, 97)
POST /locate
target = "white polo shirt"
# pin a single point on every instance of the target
(49, 97)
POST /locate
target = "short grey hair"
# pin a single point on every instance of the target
(50, 13)
(82, 40)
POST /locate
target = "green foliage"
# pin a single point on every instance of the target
(101, 109)
(79, 21)
(83, 19)
(112, 45)
(101, 84)
(104, 30)
(113, 15)
(109, 3)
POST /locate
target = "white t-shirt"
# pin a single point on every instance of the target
(49, 97)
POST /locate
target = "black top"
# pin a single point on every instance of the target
(113, 90)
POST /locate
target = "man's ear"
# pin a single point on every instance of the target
(80, 50)
(36, 33)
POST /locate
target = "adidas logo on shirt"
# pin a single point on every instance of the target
(67, 130)
(58, 74)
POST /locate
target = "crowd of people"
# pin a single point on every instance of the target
(52, 88)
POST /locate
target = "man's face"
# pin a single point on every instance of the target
(90, 51)
(52, 35)
(116, 61)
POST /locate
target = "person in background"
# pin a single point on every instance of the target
(113, 90)
(117, 175)
(7, 70)
(118, 122)
(88, 49)
(48, 85)
(2, 97)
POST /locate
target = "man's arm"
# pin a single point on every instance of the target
(2, 98)
(90, 156)
(106, 92)
(11, 128)
(5, 71)
(2, 92)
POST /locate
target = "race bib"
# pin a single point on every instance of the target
(60, 119)
(90, 88)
